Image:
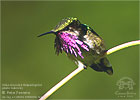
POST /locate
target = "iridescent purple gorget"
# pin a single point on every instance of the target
(70, 43)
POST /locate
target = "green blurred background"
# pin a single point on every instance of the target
(29, 59)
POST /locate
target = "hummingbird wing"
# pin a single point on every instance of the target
(94, 41)
(96, 44)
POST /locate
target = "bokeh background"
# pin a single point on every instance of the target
(32, 60)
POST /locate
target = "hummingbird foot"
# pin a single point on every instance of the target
(85, 67)
(80, 64)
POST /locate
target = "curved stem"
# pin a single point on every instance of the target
(80, 68)
(62, 82)
(125, 45)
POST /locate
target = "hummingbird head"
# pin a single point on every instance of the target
(66, 24)
(67, 37)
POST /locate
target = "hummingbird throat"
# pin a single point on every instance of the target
(71, 44)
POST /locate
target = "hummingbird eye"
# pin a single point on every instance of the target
(66, 28)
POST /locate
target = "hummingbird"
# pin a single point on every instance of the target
(81, 44)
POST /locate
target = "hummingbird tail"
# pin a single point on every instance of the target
(103, 66)
(109, 70)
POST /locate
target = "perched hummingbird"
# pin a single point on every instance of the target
(81, 44)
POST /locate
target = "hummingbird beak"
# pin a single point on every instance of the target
(46, 33)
